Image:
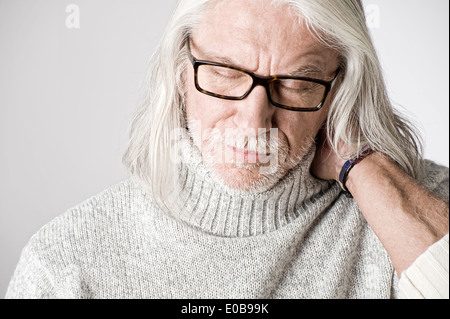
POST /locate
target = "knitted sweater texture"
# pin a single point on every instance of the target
(301, 239)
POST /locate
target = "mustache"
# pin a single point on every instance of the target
(255, 141)
(272, 150)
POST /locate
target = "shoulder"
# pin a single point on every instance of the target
(101, 213)
(436, 179)
(81, 238)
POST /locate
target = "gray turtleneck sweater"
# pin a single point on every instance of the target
(301, 239)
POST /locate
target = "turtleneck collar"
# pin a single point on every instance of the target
(216, 209)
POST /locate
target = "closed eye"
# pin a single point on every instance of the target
(227, 73)
(298, 85)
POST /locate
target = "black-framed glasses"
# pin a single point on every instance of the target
(300, 94)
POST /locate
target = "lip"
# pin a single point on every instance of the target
(249, 156)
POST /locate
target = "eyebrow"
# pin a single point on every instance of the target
(222, 60)
(302, 71)
(307, 70)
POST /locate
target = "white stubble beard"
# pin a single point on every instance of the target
(236, 173)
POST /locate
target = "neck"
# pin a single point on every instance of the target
(205, 203)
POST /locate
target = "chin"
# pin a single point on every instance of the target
(250, 179)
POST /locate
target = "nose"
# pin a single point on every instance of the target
(256, 111)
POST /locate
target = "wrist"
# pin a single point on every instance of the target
(376, 164)
(348, 166)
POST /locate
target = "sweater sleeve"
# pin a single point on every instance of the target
(30, 280)
(428, 277)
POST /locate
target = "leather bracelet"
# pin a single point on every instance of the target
(348, 166)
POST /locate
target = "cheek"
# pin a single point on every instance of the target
(204, 109)
(207, 110)
(300, 129)
(192, 105)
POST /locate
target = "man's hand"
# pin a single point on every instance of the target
(327, 164)
(406, 217)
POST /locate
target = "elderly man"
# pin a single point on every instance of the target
(266, 162)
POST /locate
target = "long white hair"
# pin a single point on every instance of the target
(361, 112)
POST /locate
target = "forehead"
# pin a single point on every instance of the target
(257, 32)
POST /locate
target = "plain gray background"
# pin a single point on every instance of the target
(67, 96)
